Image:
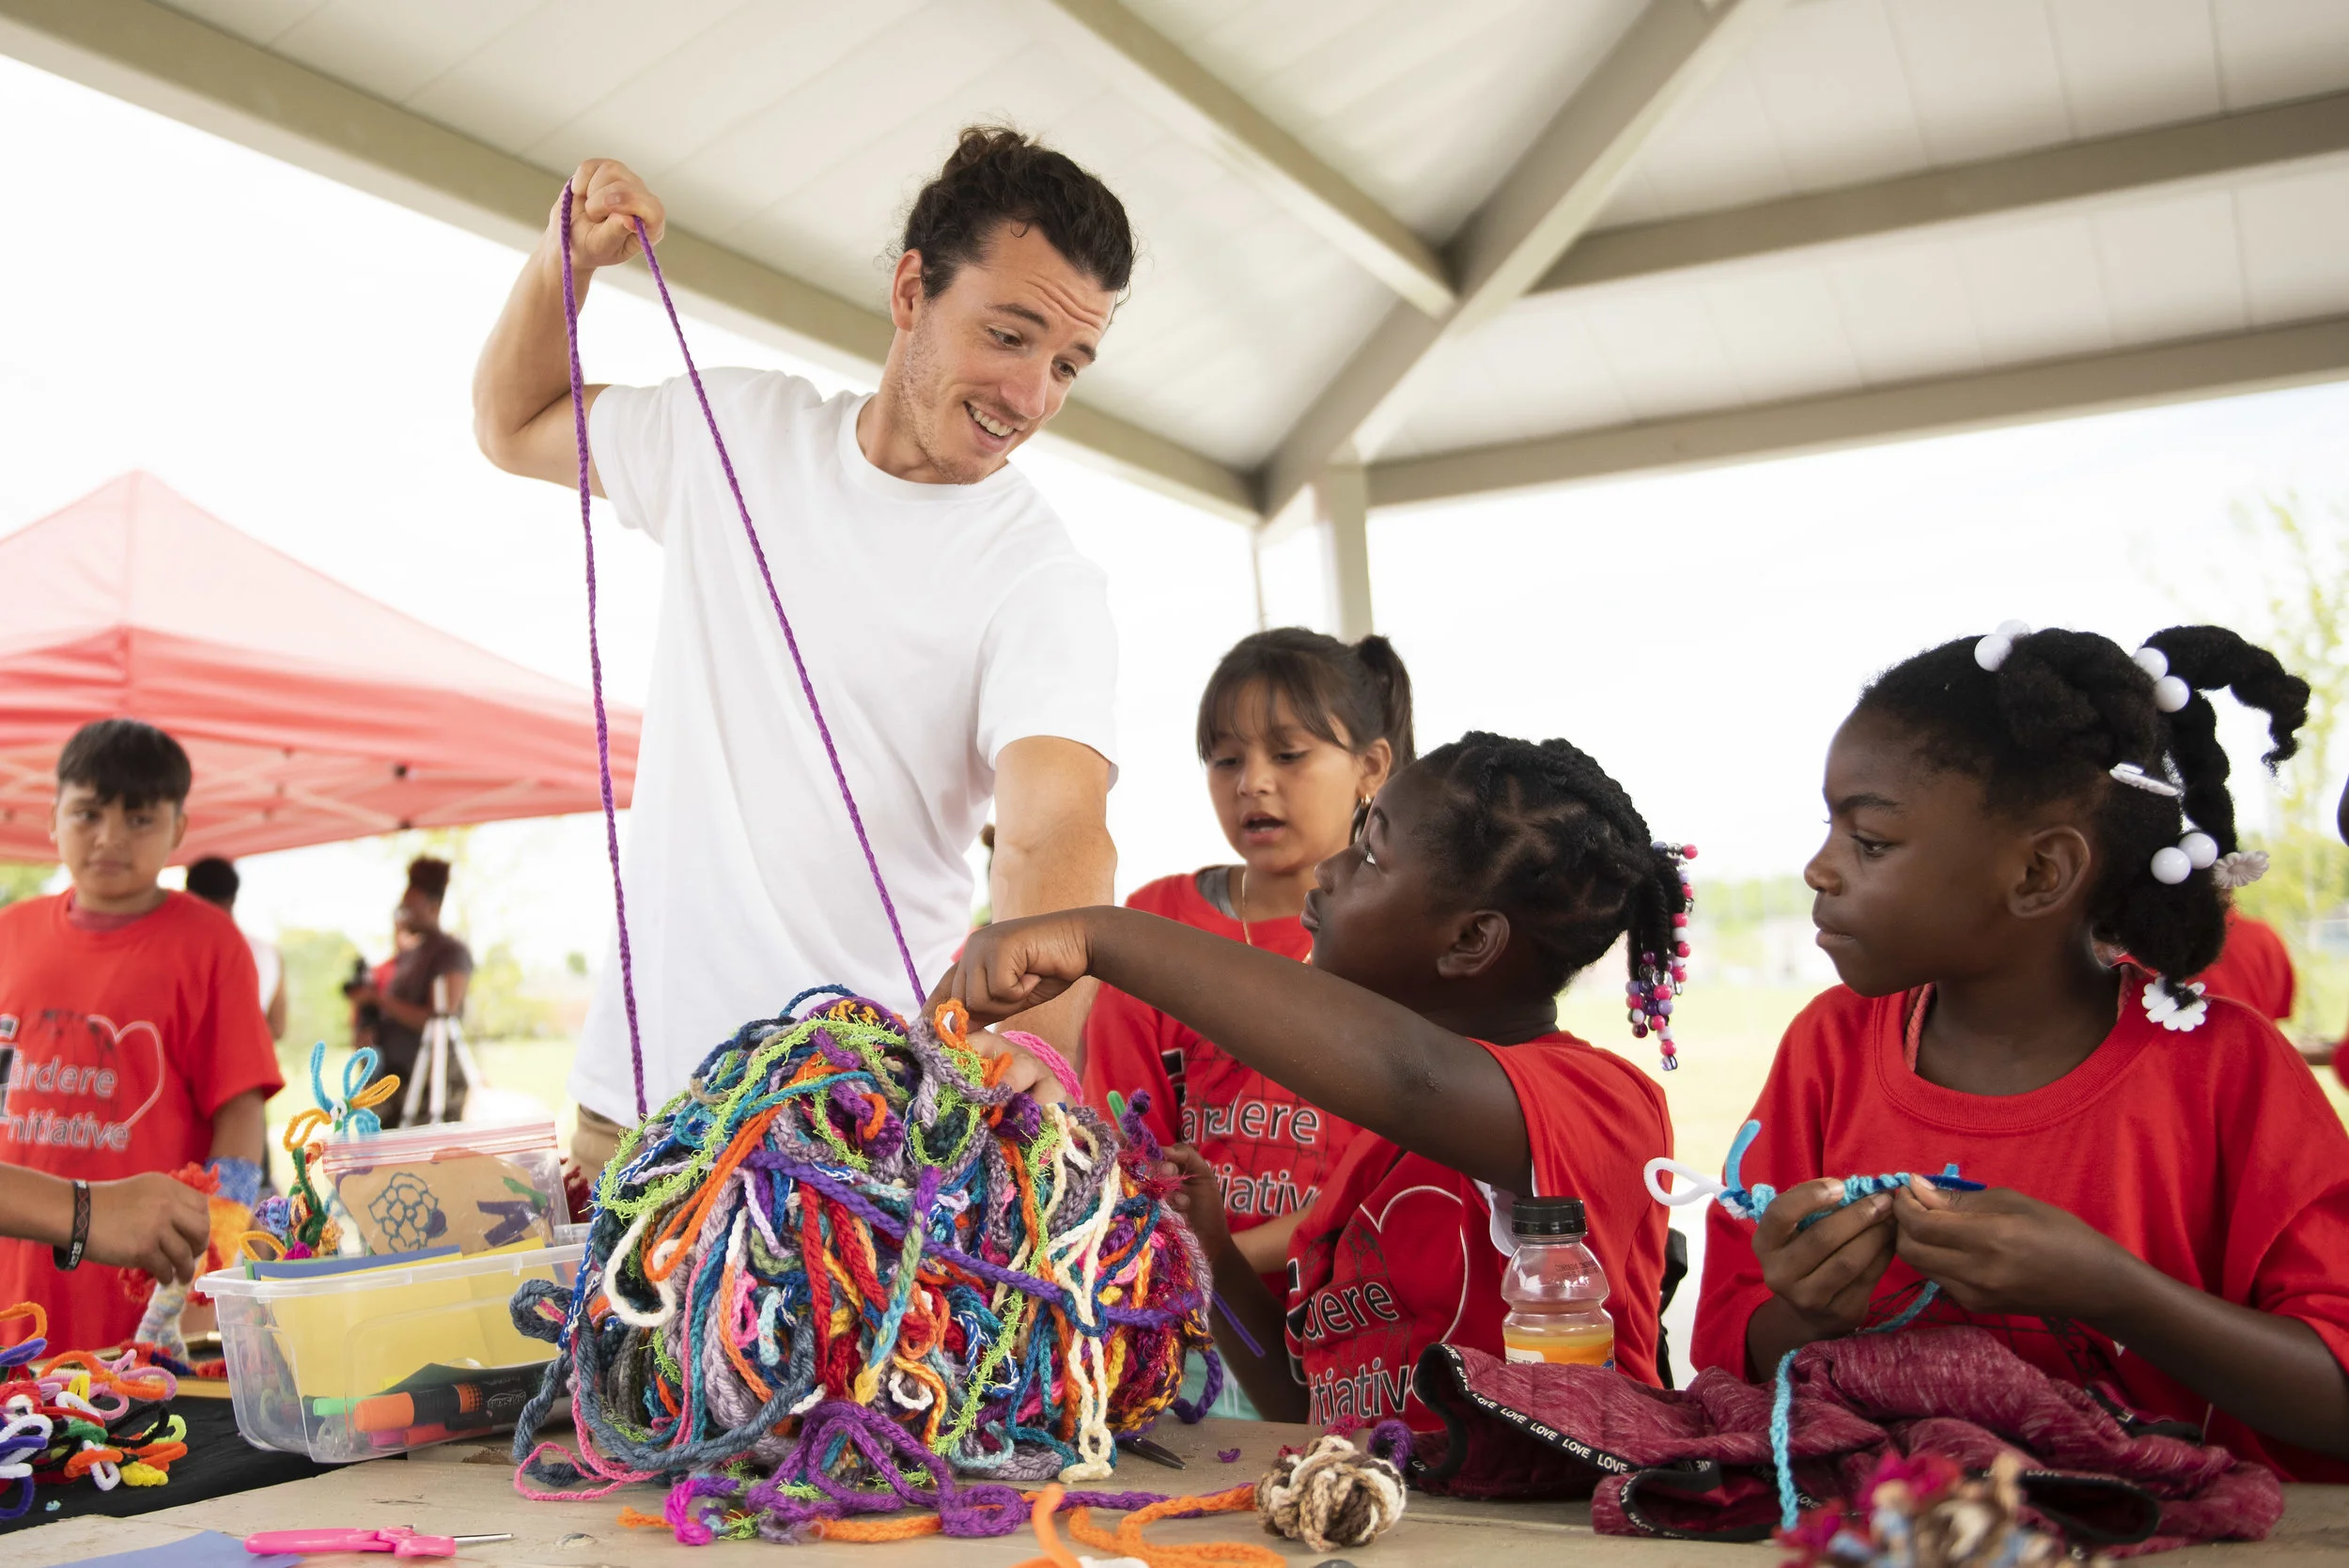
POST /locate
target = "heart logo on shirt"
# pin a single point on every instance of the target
(1428, 1211)
(123, 1033)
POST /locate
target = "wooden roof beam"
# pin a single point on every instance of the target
(159, 59)
(1541, 207)
(1187, 98)
(2215, 149)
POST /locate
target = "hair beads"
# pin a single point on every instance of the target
(843, 1263)
(1660, 977)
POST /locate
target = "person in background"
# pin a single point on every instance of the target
(131, 1022)
(215, 881)
(404, 1001)
(1298, 731)
(2255, 968)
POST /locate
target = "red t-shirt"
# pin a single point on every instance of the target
(2210, 1153)
(2253, 968)
(1272, 1150)
(1402, 1252)
(126, 1043)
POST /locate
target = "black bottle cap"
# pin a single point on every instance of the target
(1547, 1218)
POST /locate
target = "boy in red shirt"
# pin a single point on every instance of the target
(2167, 1213)
(1485, 876)
(133, 1018)
(1297, 731)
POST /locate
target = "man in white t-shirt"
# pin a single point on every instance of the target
(962, 648)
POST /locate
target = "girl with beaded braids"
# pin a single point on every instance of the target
(2166, 1218)
(1483, 878)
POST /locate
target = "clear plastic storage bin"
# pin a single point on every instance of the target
(361, 1364)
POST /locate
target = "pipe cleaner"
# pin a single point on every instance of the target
(1752, 1202)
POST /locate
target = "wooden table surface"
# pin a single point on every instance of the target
(466, 1489)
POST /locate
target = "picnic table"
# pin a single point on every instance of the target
(467, 1489)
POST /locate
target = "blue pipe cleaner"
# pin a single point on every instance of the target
(1750, 1202)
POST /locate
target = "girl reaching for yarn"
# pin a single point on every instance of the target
(1483, 877)
(2167, 1208)
(1297, 731)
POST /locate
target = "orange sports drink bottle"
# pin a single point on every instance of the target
(1555, 1289)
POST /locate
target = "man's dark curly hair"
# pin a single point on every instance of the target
(2051, 723)
(1543, 834)
(997, 175)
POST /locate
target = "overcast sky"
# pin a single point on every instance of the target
(294, 356)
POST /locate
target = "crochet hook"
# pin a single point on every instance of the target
(399, 1540)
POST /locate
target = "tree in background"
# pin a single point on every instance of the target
(318, 963)
(2303, 554)
(19, 881)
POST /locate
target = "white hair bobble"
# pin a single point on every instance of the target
(2173, 864)
(1992, 650)
(2170, 693)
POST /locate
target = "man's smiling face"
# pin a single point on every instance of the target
(980, 366)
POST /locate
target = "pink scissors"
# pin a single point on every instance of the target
(399, 1540)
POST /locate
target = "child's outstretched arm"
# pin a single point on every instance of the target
(1999, 1252)
(1376, 1063)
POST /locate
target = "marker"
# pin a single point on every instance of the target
(485, 1401)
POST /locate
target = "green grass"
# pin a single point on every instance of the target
(1726, 1036)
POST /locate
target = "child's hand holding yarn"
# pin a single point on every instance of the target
(1825, 1272)
(1199, 1200)
(1997, 1250)
(1013, 965)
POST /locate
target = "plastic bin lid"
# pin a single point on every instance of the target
(232, 1283)
(400, 1144)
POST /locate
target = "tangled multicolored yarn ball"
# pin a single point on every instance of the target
(846, 1271)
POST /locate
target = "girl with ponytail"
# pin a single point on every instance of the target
(1297, 731)
(2166, 1217)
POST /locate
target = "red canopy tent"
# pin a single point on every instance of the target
(311, 712)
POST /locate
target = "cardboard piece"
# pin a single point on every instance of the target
(476, 1203)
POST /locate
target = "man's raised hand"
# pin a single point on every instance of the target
(607, 198)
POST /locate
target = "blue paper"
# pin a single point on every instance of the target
(204, 1550)
(312, 1268)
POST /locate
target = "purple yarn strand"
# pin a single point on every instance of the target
(595, 649)
(790, 638)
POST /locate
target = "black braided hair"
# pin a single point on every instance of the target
(2055, 718)
(1543, 834)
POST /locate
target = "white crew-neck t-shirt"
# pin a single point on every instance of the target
(939, 623)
